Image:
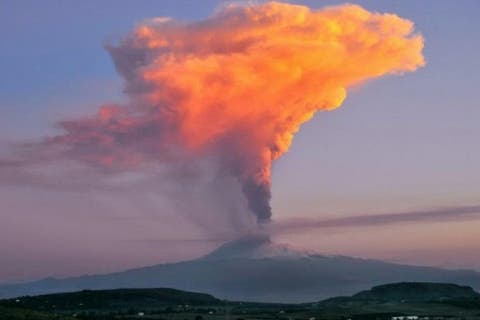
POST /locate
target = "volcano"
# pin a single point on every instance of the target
(254, 246)
(254, 268)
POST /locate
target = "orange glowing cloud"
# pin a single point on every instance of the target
(237, 86)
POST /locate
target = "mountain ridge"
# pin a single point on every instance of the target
(256, 270)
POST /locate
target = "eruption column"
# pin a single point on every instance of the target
(237, 86)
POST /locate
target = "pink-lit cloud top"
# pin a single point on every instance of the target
(236, 87)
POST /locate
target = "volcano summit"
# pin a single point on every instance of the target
(256, 269)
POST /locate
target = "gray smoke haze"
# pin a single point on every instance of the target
(383, 219)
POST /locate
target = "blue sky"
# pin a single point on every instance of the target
(398, 143)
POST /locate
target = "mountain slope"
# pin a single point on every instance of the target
(417, 292)
(406, 298)
(112, 299)
(256, 270)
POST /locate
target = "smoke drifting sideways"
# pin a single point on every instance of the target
(234, 88)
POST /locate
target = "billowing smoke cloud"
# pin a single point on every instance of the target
(236, 87)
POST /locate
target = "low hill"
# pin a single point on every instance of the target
(407, 298)
(417, 292)
(120, 299)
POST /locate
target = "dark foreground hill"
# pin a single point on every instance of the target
(112, 299)
(437, 301)
(421, 299)
(101, 304)
(255, 269)
(417, 292)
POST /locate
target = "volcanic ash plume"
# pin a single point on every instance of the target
(236, 87)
